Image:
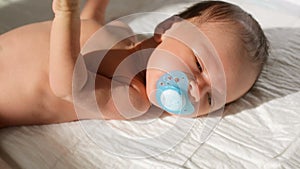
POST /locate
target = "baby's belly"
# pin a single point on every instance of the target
(24, 73)
(25, 92)
(24, 69)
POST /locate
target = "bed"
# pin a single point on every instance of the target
(260, 130)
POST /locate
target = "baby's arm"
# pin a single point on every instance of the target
(64, 51)
(64, 45)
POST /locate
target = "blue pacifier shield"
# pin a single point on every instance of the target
(172, 93)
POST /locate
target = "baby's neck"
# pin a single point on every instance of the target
(146, 44)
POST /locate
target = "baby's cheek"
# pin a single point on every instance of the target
(150, 90)
(151, 79)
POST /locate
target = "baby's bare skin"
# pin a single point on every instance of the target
(37, 62)
(24, 75)
(26, 96)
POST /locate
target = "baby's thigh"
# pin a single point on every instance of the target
(1, 48)
(1, 53)
(88, 28)
(115, 31)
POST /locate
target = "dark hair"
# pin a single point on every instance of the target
(250, 32)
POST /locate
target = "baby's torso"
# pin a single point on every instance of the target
(24, 68)
(24, 75)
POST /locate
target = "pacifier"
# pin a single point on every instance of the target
(172, 93)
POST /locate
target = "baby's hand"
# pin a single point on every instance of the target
(65, 6)
(117, 100)
(138, 97)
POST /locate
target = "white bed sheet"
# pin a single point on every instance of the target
(261, 130)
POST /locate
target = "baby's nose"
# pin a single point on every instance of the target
(194, 91)
(197, 89)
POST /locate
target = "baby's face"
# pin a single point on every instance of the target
(239, 72)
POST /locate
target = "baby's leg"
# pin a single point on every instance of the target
(95, 10)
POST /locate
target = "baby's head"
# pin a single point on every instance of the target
(237, 38)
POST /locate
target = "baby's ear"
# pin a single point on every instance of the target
(162, 27)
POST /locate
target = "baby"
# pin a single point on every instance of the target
(37, 61)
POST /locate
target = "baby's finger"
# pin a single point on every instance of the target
(65, 5)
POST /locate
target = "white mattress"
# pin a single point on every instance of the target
(261, 130)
